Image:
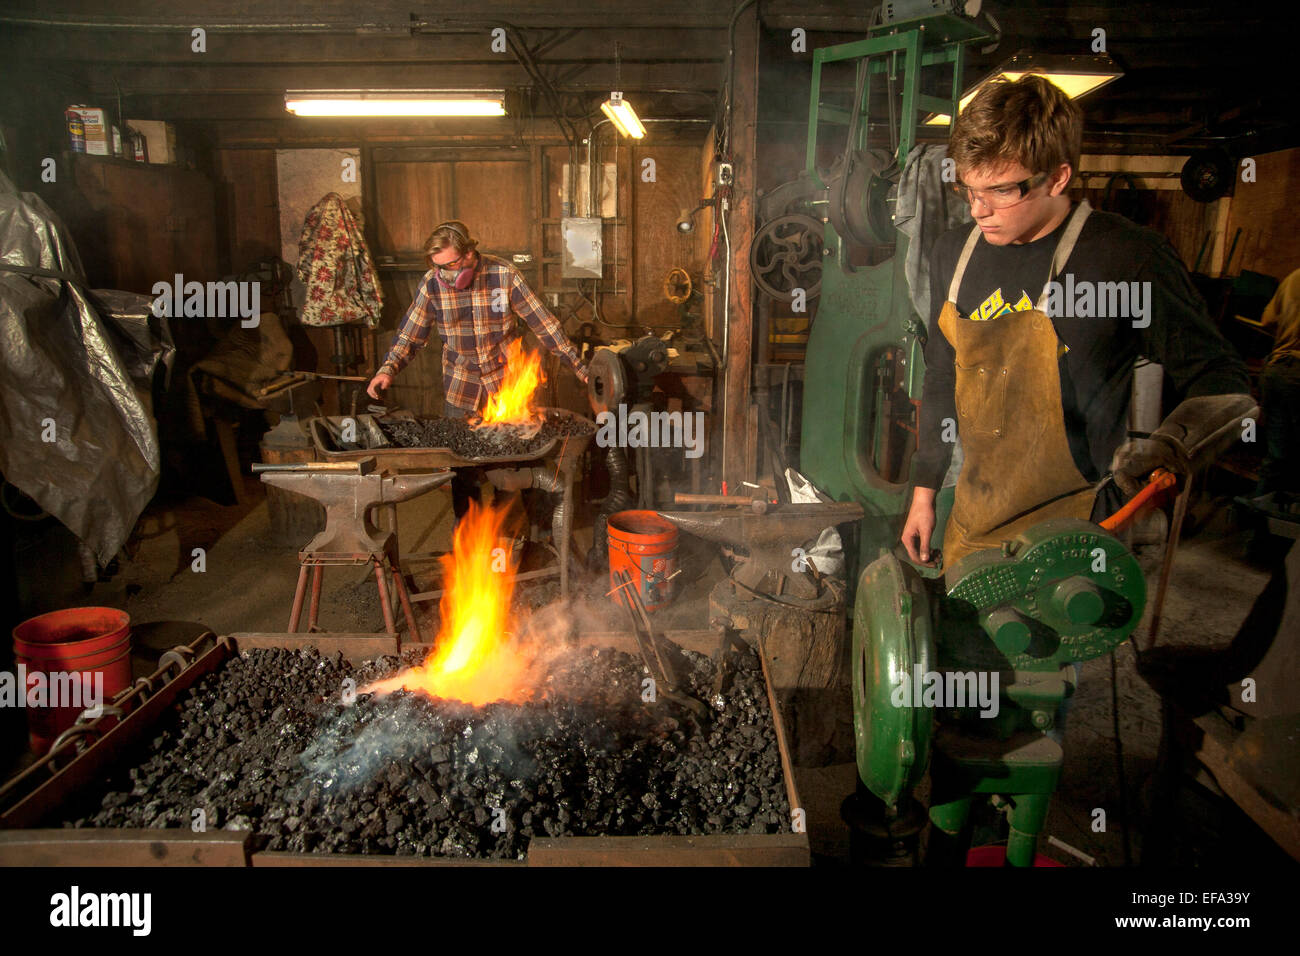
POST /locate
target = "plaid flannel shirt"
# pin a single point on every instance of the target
(474, 334)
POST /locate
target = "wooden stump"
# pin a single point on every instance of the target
(808, 653)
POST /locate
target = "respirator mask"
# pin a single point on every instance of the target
(459, 274)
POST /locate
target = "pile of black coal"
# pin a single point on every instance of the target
(266, 743)
(493, 441)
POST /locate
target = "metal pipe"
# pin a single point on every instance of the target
(726, 327)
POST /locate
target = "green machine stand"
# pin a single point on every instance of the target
(866, 342)
(968, 680)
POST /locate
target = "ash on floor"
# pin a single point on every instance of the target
(482, 443)
(266, 744)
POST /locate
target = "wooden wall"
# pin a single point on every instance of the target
(249, 200)
(135, 225)
(1270, 240)
(1170, 212)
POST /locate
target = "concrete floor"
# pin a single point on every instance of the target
(248, 586)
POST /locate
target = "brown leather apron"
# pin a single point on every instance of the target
(1017, 469)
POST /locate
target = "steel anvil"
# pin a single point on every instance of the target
(348, 497)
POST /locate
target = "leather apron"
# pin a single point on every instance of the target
(1017, 469)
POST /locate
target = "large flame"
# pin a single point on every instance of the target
(512, 403)
(475, 659)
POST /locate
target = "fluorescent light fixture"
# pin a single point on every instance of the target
(1076, 75)
(395, 102)
(622, 115)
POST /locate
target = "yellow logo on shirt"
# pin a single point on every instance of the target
(996, 305)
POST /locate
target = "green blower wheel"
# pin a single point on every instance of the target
(892, 638)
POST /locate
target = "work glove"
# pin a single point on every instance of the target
(1192, 435)
(1138, 457)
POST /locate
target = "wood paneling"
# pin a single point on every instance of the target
(136, 224)
(250, 203)
(659, 247)
(1270, 241)
(410, 199)
(1172, 213)
(495, 200)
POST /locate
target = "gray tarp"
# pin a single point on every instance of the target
(76, 435)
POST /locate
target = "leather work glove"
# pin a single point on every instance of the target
(1194, 433)
(1138, 457)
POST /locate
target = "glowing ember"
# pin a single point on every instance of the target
(512, 403)
(475, 658)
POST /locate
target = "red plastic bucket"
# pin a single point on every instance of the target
(84, 654)
(645, 544)
(997, 856)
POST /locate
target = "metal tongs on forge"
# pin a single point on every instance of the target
(657, 660)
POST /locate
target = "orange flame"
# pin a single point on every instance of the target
(475, 659)
(512, 403)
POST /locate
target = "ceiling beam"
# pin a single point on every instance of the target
(561, 46)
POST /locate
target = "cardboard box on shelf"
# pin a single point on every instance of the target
(160, 137)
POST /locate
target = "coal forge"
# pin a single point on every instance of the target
(266, 743)
(490, 441)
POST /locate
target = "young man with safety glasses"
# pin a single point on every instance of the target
(1039, 312)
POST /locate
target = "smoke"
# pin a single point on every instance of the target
(388, 726)
(351, 748)
(365, 740)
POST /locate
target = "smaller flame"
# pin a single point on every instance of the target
(512, 402)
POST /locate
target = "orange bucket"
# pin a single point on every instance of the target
(644, 544)
(83, 646)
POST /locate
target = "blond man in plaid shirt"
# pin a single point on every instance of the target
(472, 299)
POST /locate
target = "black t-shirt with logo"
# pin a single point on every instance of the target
(1095, 323)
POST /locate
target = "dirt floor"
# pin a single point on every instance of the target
(244, 583)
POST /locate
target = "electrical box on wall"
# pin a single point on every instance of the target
(583, 247)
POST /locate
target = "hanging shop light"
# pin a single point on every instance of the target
(622, 115)
(1076, 76)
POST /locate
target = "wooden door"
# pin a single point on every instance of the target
(409, 193)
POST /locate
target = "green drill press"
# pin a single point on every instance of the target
(990, 656)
